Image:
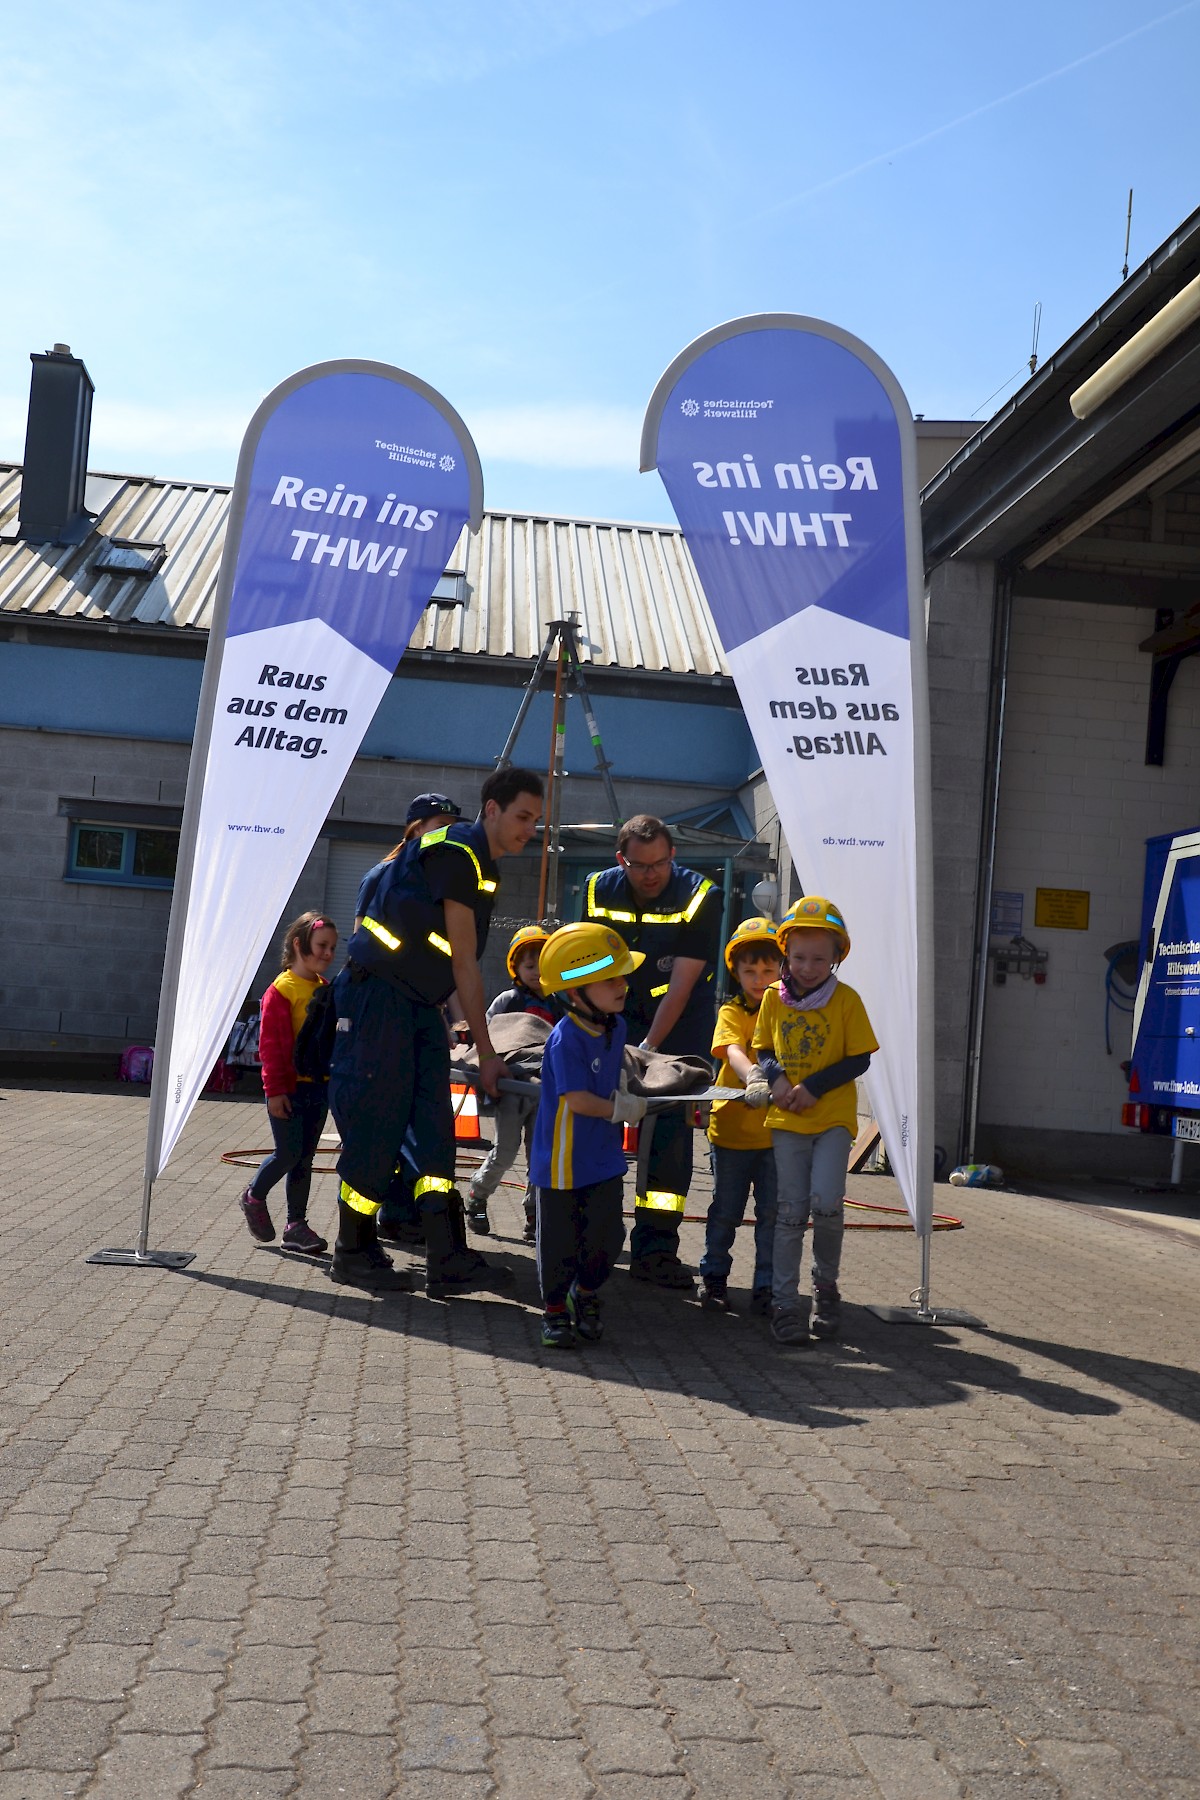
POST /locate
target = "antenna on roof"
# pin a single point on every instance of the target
(1037, 331)
(1128, 229)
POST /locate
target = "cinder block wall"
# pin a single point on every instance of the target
(1076, 806)
(84, 960)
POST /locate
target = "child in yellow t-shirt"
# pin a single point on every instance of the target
(741, 1154)
(813, 1040)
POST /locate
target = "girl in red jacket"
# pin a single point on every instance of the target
(297, 1105)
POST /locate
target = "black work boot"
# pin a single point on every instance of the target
(826, 1321)
(357, 1260)
(450, 1266)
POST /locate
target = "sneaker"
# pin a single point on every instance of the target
(789, 1325)
(301, 1236)
(583, 1310)
(827, 1309)
(258, 1219)
(760, 1302)
(557, 1331)
(477, 1216)
(714, 1294)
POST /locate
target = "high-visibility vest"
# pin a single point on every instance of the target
(653, 928)
(403, 936)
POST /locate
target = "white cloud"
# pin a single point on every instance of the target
(141, 439)
(559, 437)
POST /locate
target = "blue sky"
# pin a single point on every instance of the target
(535, 204)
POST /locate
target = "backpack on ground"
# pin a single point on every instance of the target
(137, 1063)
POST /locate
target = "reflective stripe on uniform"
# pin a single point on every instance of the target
(645, 918)
(432, 1184)
(655, 1201)
(439, 943)
(658, 992)
(605, 912)
(680, 918)
(433, 838)
(357, 1202)
(387, 938)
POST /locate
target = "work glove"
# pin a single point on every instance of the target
(628, 1109)
(758, 1091)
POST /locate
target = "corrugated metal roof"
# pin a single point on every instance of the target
(634, 588)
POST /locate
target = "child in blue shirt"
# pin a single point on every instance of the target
(577, 1162)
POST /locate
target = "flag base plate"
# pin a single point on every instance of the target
(933, 1315)
(153, 1259)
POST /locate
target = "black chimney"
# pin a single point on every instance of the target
(56, 450)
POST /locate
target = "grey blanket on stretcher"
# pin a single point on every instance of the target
(520, 1039)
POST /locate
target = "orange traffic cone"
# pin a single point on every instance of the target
(466, 1113)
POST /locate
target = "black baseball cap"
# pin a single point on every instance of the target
(429, 806)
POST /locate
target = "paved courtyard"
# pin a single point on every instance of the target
(262, 1537)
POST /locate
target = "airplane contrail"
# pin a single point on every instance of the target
(976, 112)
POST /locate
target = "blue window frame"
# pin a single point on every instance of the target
(122, 855)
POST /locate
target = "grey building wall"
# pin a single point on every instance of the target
(84, 959)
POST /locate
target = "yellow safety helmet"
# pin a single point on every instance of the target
(530, 937)
(814, 913)
(750, 931)
(578, 954)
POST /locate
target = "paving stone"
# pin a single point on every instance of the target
(712, 1708)
(34, 1784)
(197, 1644)
(254, 1734)
(61, 1734)
(171, 1701)
(1085, 1769)
(532, 1769)
(520, 1650)
(636, 1740)
(906, 1769)
(336, 1762)
(736, 1769)
(972, 1738)
(147, 1766)
(445, 1737)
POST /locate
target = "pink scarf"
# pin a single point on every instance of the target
(815, 1000)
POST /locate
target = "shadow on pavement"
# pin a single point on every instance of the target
(667, 1345)
(1167, 1385)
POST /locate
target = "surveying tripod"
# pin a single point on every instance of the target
(568, 677)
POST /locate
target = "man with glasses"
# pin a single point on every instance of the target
(673, 916)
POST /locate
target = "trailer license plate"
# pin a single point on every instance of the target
(1187, 1128)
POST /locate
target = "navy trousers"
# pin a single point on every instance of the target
(580, 1232)
(390, 1071)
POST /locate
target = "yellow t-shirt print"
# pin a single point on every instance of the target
(804, 1042)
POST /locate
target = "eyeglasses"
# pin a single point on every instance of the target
(660, 862)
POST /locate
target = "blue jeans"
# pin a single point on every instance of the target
(735, 1172)
(811, 1171)
(296, 1141)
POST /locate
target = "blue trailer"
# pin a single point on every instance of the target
(1164, 1068)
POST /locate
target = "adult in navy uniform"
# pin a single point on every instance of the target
(420, 940)
(673, 916)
